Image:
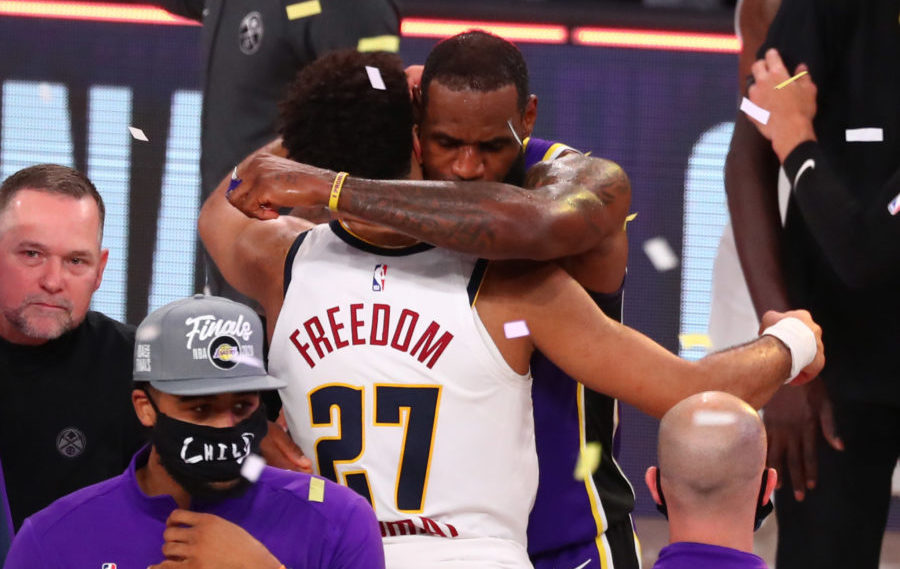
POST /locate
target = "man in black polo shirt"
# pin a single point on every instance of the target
(66, 419)
(837, 133)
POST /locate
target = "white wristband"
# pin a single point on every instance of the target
(799, 339)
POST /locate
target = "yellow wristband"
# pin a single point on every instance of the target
(336, 190)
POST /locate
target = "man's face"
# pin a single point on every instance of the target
(465, 135)
(50, 262)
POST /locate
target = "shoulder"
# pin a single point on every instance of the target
(80, 509)
(99, 324)
(311, 495)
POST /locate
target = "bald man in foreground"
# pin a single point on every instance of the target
(711, 482)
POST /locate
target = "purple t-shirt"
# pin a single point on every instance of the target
(6, 525)
(688, 555)
(114, 524)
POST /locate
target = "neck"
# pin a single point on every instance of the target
(153, 480)
(724, 530)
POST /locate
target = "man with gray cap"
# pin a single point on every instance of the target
(187, 499)
(711, 483)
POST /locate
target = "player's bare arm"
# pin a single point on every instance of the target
(249, 253)
(576, 205)
(567, 327)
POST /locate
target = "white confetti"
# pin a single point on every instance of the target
(375, 78)
(253, 467)
(660, 254)
(515, 329)
(754, 111)
(138, 134)
(714, 418)
(865, 135)
(516, 134)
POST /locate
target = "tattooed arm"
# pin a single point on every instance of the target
(578, 203)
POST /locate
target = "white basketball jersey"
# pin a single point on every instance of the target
(396, 390)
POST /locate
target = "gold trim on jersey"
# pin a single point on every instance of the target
(405, 423)
(593, 497)
(480, 284)
(342, 476)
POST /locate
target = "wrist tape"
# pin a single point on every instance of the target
(799, 339)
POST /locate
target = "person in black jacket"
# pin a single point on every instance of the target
(66, 419)
(836, 131)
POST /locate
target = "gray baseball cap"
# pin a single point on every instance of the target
(202, 345)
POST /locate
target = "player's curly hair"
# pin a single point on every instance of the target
(332, 116)
(479, 61)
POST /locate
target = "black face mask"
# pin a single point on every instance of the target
(197, 455)
(762, 510)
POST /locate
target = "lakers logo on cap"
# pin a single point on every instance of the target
(223, 352)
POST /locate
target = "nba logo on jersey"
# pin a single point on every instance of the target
(378, 277)
(108, 566)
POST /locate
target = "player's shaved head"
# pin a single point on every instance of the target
(712, 451)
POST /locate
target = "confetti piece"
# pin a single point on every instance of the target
(588, 153)
(714, 418)
(754, 111)
(234, 183)
(253, 467)
(689, 341)
(894, 206)
(629, 218)
(787, 82)
(514, 133)
(588, 460)
(379, 43)
(865, 135)
(375, 78)
(660, 254)
(45, 92)
(515, 329)
(138, 134)
(316, 490)
(303, 9)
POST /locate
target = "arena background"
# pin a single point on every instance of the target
(76, 76)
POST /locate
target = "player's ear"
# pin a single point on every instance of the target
(650, 481)
(530, 115)
(143, 407)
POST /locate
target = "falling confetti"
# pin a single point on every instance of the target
(138, 134)
(253, 467)
(515, 329)
(754, 111)
(375, 78)
(588, 460)
(660, 254)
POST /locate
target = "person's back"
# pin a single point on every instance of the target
(390, 337)
(711, 483)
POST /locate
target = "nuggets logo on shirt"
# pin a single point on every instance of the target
(378, 277)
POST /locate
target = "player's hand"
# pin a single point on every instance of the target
(791, 108)
(414, 78)
(793, 418)
(281, 452)
(203, 541)
(269, 182)
(815, 366)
